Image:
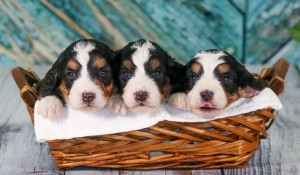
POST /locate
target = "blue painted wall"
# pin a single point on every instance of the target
(35, 32)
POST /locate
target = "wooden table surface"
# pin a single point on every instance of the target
(21, 154)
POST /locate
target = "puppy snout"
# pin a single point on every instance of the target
(141, 95)
(88, 97)
(207, 95)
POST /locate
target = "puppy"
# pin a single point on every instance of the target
(213, 80)
(144, 75)
(81, 78)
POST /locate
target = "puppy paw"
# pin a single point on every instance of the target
(50, 107)
(115, 104)
(180, 101)
(248, 92)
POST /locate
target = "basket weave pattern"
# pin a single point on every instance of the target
(222, 143)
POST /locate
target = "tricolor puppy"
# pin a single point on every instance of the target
(145, 74)
(81, 78)
(212, 80)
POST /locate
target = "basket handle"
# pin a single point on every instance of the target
(274, 76)
(27, 81)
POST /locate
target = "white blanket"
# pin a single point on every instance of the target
(79, 124)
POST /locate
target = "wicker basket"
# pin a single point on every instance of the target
(222, 143)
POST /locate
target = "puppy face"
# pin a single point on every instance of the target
(214, 79)
(82, 76)
(144, 75)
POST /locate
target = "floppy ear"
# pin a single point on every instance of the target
(115, 67)
(49, 85)
(250, 85)
(175, 71)
(176, 75)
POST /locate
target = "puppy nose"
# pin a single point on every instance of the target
(141, 95)
(88, 97)
(207, 95)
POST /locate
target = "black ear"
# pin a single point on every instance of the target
(115, 67)
(49, 85)
(176, 73)
(249, 84)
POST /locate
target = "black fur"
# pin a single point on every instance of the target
(244, 77)
(59, 71)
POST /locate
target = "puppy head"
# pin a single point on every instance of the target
(214, 79)
(144, 75)
(81, 77)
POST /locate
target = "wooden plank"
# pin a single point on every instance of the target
(268, 29)
(115, 23)
(174, 20)
(19, 151)
(290, 52)
(240, 4)
(91, 171)
(29, 37)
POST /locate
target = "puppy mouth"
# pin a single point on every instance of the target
(143, 108)
(90, 107)
(206, 107)
(142, 104)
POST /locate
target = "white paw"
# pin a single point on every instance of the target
(50, 107)
(116, 105)
(180, 101)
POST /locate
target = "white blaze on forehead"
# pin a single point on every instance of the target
(209, 61)
(82, 49)
(84, 83)
(141, 55)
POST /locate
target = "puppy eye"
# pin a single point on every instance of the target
(126, 74)
(71, 75)
(226, 79)
(193, 77)
(156, 74)
(103, 73)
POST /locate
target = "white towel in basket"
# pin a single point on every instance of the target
(78, 124)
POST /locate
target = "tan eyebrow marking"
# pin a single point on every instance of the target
(224, 68)
(72, 64)
(154, 63)
(196, 68)
(99, 63)
(128, 64)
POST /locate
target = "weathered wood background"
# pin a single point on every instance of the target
(35, 32)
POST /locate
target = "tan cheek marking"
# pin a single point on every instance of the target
(196, 68)
(106, 89)
(65, 91)
(99, 63)
(164, 91)
(232, 97)
(127, 64)
(224, 68)
(72, 64)
(154, 63)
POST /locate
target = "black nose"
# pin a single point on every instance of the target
(88, 97)
(207, 95)
(141, 95)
